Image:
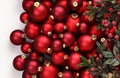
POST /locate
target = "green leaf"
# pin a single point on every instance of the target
(116, 62)
(87, 13)
(107, 54)
(83, 64)
(98, 44)
(84, 59)
(91, 16)
(92, 61)
(112, 62)
(115, 50)
(104, 75)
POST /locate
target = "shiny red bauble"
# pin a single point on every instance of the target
(19, 62)
(47, 29)
(39, 12)
(41, 44)
(86, 74)
(27, 75)
(24, 17)
(32, 67)
(75, 4)
(50, 20)
(17, 37)
(72, 23)
(94, 31)
(83, 28)
(83, 7)
(34, 56)
(48, 72)
(26, 47)
(68, 39)
(60, 27)
(67, 74)
(32, 30)
(56, 45)
(27, 4)
(86, 43)
(74, 60)
(58, 58)
(59, 13)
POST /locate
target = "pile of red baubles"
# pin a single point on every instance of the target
(56, 34)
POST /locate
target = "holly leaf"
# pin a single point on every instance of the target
(112, 62)
(92, 61)
(84, 59)
(107, 54)
(91, 16)
(115, 50)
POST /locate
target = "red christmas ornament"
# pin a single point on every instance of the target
(54, 36)
(67, 74)
(75, 4)
(27, 4)
(32, 30)
(48, 72)
(83, 28)
(17, 37)
(26, 48)
(24, 17)
(86, 74)
(74, 60)
(41, 44)
(27, 75)
(59, 13)
(113, 29)
(58, 58)
(83, 7)
(68, 39)
(19, 62)
(32, 67)
(34, 56)
(60, 27)
(47, 29)
(57, 45)
(72, 23)
(39, 12)
(47, 3)
(86, 43)
(94, 31)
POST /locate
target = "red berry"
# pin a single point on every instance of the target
(24, 17)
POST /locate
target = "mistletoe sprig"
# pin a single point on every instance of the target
(105, 64)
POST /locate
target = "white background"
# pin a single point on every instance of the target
(10, 11)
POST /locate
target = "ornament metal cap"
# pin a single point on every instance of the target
(102, 40)
(23, 36)
(64, 45)
(49, 33)
(65, 57)
(65, 27)
(34, 76)
(36, 4)
(60, 74)
(110, 75)
(52, 17)
(41, 59)
(66, 67)
(47, 63)
(94, 37)
(60, 35)
(75, 3)
(29, 50)
(23, 56)
(40, 69)
(26, 21)
(78, 24)
(77, 74)
(49, 50)
(74, 15)
(76, 48)
(89, 3)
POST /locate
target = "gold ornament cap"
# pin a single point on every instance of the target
(60, 74)
(94, 37)
(74, 15)
(36, 4)
(75, 3)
